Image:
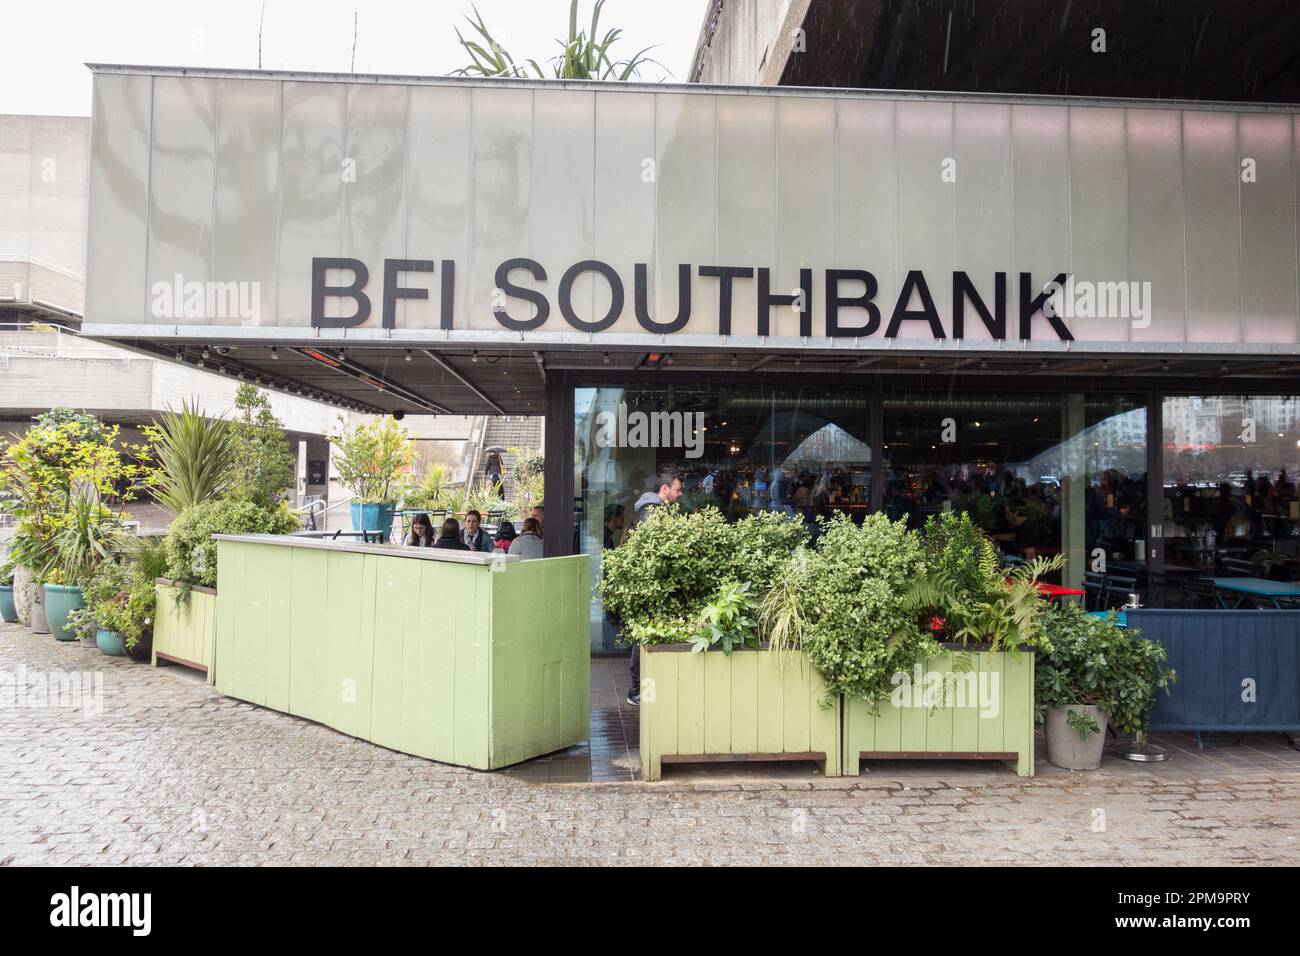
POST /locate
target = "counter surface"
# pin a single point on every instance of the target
(387, 550)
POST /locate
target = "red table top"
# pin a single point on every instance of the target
(1057, 590)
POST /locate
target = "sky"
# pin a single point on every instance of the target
(48, 41)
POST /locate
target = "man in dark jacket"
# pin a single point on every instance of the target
(667, 485)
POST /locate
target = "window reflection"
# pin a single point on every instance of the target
(802, 451)
(1230, 465)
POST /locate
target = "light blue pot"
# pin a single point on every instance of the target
(372, 517)
(7, 610)
(60, 601)
(110, 643)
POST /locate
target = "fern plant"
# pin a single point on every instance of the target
(1004, 611)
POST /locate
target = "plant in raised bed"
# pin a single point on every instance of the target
(1096, 673)
(975, 600)
(728, 621)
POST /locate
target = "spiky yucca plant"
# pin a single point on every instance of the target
(582, 56)
(194, 455)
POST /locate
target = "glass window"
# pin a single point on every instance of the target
(1230, 464)
(1041, 474)
(804, 451)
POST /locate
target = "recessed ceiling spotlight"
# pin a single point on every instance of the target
(408, 355)
(205, 352)
(473, 356)
(274, 353)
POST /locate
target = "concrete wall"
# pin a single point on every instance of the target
(747, 42)
(44, 169)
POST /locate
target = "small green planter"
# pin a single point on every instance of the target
(110, 643)
(60, 601)
(746, 706)
(987, 713)
(8, 611)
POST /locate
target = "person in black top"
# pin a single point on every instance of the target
(450, 538)
(613, 525)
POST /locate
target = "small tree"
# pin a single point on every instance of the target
(372, 459)
(261, 464)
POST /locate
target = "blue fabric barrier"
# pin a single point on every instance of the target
(1216, 654)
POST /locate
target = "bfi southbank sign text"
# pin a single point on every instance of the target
(845, 289)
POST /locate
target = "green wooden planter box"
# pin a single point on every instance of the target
(477, 660)
(997, 726)
(185, 626)
(708, 707)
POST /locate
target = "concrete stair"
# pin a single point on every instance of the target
(511, 431)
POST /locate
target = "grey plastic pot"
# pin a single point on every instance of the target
(1065, 747)
(39, 624)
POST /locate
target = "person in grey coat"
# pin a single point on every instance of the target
(529, 542)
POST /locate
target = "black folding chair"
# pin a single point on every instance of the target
(1094, 590)
(1118, 590)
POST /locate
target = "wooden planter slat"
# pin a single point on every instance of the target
(951, 732)
(185, 626)
(700, 708)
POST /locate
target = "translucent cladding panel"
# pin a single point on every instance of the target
(248, 198)
(182, 187)
(747, 188)
(1098, 211)
(624, 213)
(1155, 222)
(438, 196)
(864, 177)
(374, 187)
(982, 149)
(1041, 157)
(926, 210)
(119, 200)
(1211, 190)
(502, 176)
(805, 207)
(311, 196)
(562, 218)
(686, 201)
(1268, 230)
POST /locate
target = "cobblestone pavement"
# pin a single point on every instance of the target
(173, 773)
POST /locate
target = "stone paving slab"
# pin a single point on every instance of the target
(170, 772)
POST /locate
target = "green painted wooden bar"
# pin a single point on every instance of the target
(1000, 726)
(744, 706)
(185, 626)
(476, 660)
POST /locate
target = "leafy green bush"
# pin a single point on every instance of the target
(191, 552)
(262, 467)
(1095, 661)
(953, 544)
(672, 564)
(857, 631)
(729, 620)
(977, 600)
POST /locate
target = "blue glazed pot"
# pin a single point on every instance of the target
(372, 517)
(110, 643)
(60, 601)
(7, 610)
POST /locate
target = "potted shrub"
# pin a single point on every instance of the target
(88, 537)
(372, 459)
(965, 691)
(8, 612)
(1096, 673)
(686, 588)
(121, 603)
